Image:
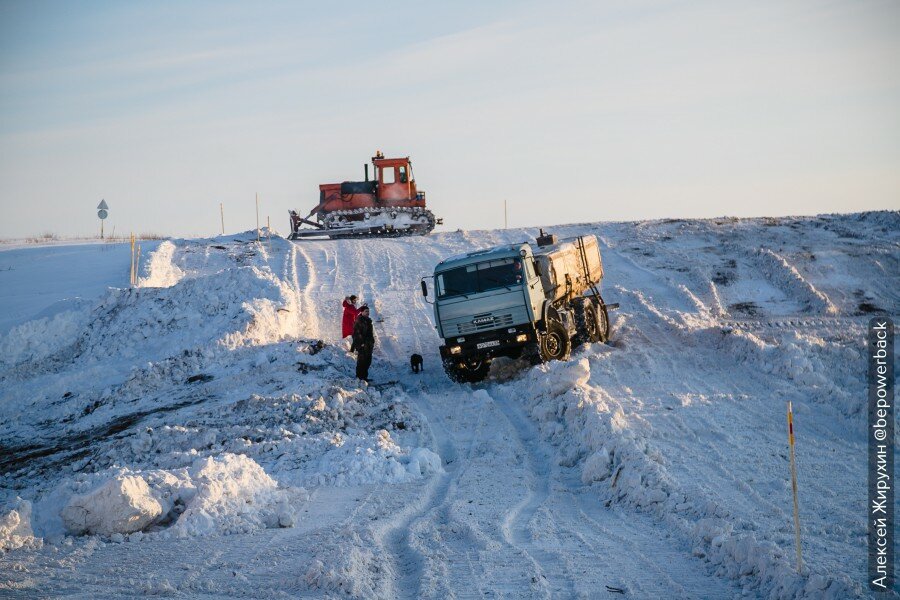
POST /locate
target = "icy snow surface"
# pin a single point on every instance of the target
(191, 436)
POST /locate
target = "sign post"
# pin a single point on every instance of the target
(102, 212)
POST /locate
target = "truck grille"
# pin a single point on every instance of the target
(498, 321)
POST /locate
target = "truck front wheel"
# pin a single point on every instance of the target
(555, 344)
(471, 371)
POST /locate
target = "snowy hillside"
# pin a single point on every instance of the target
(204, 435)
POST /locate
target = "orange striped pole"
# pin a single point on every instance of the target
(790, 418)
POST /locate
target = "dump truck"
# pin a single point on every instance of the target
(388, 205)
(516, 301)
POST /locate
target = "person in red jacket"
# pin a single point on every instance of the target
(350, 314)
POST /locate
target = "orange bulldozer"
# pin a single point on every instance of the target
(388, 205)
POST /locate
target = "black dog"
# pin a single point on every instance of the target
(415, 361)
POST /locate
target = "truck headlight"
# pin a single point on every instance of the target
(522, 337)
(455, 349)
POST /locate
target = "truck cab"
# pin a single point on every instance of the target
(495, 302)
(485, 306)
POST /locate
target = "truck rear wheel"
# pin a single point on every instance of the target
(471, 372)
(586, 326)
(591, 322)
(555, 344)
(603, 323)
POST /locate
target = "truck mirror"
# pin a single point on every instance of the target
(424, 288)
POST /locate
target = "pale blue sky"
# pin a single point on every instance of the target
(572, 111)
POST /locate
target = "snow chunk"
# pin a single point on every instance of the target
(15, 527)
(596, 467)
(162, 271)
(233, 494)
(423, 461)
(121, 505)
(360, 460)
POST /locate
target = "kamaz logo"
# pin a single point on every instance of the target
(483, 320)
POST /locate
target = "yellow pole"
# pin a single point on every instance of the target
(790, 418)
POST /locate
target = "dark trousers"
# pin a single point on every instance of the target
(363, 361)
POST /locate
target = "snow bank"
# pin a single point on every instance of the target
(15, 527)
(237, 304)
(37, 339)
(123, 504)
(325, 435)
(613, 448)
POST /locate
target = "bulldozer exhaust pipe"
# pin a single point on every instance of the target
(366, 167)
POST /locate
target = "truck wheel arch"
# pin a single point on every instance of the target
(548, 312)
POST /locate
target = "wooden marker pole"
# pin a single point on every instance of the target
(222, 212)
(257, 216)
(790, 418)
(132, 260)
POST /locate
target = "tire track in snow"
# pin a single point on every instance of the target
(408, 561)
(309, 313)
(583, 545)
(516, 525)
(440, 573)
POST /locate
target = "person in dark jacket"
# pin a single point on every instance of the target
(350, 313)
(363, 342)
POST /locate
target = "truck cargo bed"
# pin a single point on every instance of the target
(570, 268)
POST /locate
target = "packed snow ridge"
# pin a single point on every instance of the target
(212, 414)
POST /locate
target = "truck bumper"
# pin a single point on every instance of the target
(507, 341)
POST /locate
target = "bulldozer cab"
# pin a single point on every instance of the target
(395, 180)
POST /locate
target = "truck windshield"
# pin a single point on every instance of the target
(480, 277)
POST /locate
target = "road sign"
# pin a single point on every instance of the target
(102, 213)
(103, 206)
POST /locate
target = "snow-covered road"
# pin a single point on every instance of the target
(651, 467)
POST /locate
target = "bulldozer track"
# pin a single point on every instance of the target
(364, 232)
